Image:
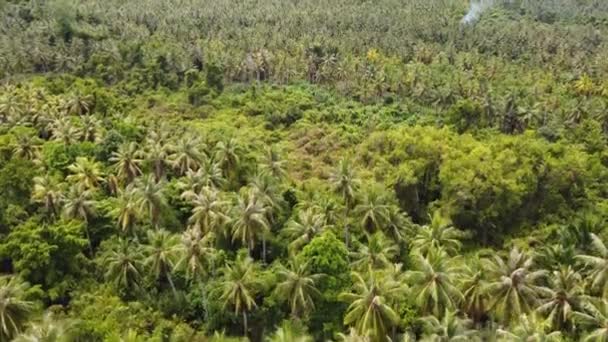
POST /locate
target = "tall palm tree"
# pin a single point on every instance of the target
(513, 285)
(566, 295)
(126, 211)
(208, 175)
(450, 328)
(302, 229)
(26, 147)
(90, 129)
(127, 161)
(438, 234)
(15, 310)
(194, 251)
(289, 332)
(298, 287)
(64, 131)
(265, 188)
(473, 286)
(228, 155)
(529, 329)
(85, 173)
(158, 154)
(369, 308)
(433, 281)
(124, 265)
(594, 320)
(597, 265)
(150, 197)
(79, 104)
(353, 336)
(49, 329)
(376, 254)
(373, 210)
(187, 154)
(346, 184)
(160, 253)
(208, 212)
(48, 191)
(272, 164)
(250, 223)
(239, 286)
(397, 225)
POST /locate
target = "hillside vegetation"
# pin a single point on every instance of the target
(303, 170)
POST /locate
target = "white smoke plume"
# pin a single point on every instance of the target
(476, 8)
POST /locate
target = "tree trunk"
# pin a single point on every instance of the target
(245, 327)
(264, 249)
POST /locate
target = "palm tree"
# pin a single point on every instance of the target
(289, 332)
(64, 131)
(228, 155)
(298, 287)
(369, 310)
(473, 286)
(432, 280)
(79, 104)
(160, 253)
(123, 265)
(397, 225)
(529, 329)
(597, 265)
(513, 285)
(376, 254)
(266, 191)
(49, 329)
(208, 212)
(373, 210)
(450, 328)
(272, 164)
(127, 161)
(353, 336)
(157, 153)
(345, 184)
(304, 228)
(239, 286)
(86, 173)
(15, 310)
(250, 223)
(565, 297)
(90, 129)
(26, 147)
(126, 211)
(593, 319)
(48, 191)
(150, 197)
(187, 155)
(193, 251)
(208, 175)
(438, 234)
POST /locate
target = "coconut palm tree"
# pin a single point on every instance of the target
(228, 155)
(529, 329)
(150, 197)
(597, 265)
(126, 210)
(433, 282)
(289, 332)
(593, 319)
(49, 329)
(79, 204)
(438, 234)
(397, 225)
(26, 147)
(473, 287)
(566, 294)
(64, 131)
(376, 254)
(450, 328)
(194, 251)
(48, 191)
(160, 253)
(85, 173)
(79, 104)
(353, 336)
(187, 154)
(302, 229)
(369, 310)
(208, 212)
(250, 223)
(158, 154)
(266, 190)
(208, 175)
(298, 287)
(513, 285)
(15, 310)
(373, 210)
(272, 164)
(127, 161)
(345, 184)
(90, 129)
(239, 286)
(124, 265)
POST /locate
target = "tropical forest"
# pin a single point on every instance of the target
(303, 170)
